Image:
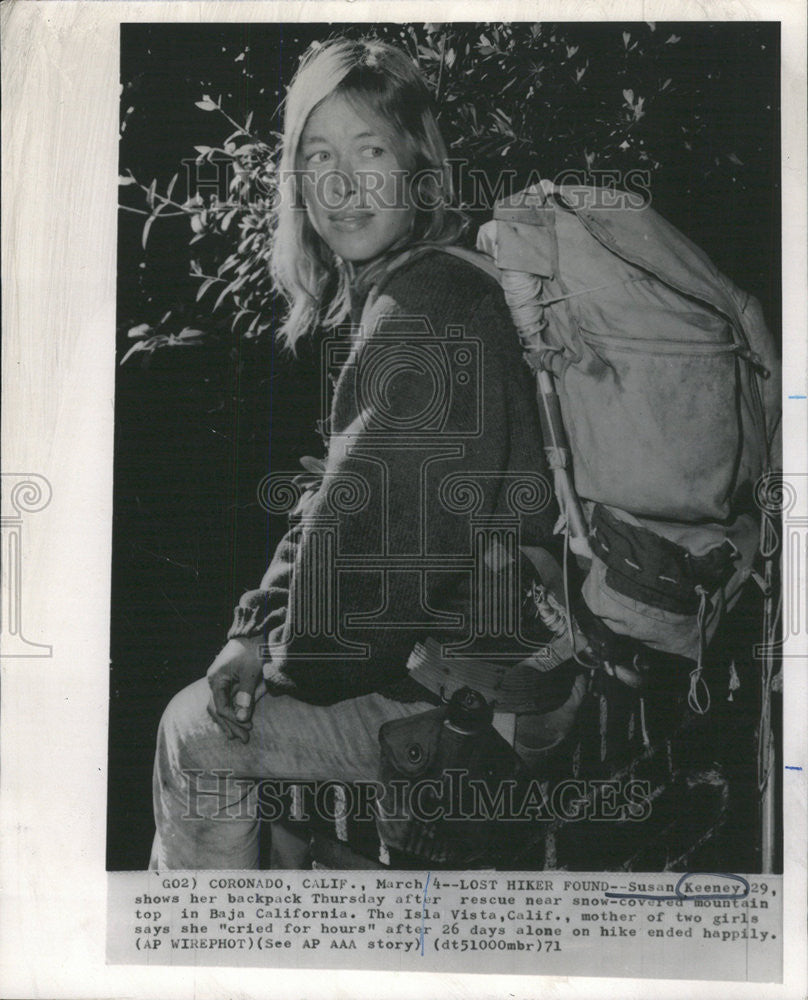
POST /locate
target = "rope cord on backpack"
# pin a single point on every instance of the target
(590, 291)
(567, 603)
(696, 678)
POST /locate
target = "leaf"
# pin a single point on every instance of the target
(141, 345)
(205, 286)
(673, 39)
(228, 219)
(239, 314)
(170, 187)
(147, 226)
(188, 334)
(151, 193)
(229, 263)
(136, 332)
(206, 104)
(666, 84)
(430, 54)
(626, 39)
(222, 296)
(123, 181)
(732, 157)
(628, 96)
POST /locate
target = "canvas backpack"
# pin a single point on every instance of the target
(658, 389)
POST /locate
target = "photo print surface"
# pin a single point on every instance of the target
(446, 516)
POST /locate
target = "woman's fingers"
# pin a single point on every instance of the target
(235, 732)
(220, 692)
(223, 690)
(232, 729)
(220, 722)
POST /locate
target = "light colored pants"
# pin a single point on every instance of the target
(205, 786)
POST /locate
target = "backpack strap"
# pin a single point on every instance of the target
(479, 260)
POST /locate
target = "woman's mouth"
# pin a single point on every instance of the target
(351, 221)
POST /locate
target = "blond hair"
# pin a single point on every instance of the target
(383, 80)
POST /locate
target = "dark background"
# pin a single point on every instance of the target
(200, 426)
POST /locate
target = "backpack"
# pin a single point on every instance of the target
(658, 389)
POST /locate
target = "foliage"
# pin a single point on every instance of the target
(514, 100)
(235, 221)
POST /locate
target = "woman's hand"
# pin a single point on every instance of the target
(236, 682)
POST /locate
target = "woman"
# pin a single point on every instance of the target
(431, 399)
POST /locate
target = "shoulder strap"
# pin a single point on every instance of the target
(473, 257)
(479, 260)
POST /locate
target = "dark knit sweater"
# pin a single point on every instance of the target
(433, 385)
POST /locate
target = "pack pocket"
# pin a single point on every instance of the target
(654, 424)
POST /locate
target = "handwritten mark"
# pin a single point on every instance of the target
(793, 767)
(679, 894)
(423, 909)
(798, 397)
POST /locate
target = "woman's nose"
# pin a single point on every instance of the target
(346, 180)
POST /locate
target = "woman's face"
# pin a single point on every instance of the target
(354, 186)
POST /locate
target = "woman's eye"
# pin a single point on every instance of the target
(373, 152)
(320, 156)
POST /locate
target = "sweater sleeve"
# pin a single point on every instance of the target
(379, 559)
(260, 611)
